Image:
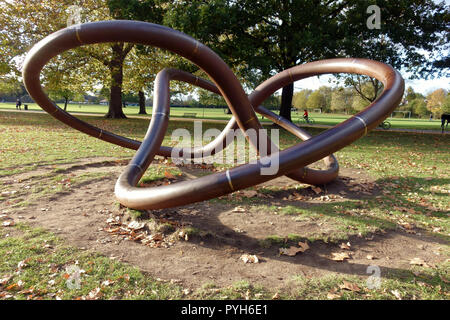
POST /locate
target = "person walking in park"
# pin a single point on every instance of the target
(445, 118)
(306, 116)
(18, 104)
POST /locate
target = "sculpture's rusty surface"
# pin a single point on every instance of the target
(292, 161)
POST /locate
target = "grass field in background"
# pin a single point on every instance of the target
(219, 114)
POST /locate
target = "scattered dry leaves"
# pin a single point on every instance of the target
(135, 231)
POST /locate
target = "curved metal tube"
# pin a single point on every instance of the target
(305, 175)
(214, 185)
(48, 48)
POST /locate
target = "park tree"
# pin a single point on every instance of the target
(341, 100)
(269, 36)
(326, 92)
(207, 98)
(11, 86)
(359, 103)
(300, 99)
(419, 107)
(26, 22)
(65, 77)
(273, 102)
(435, 100)
(138, 83)
(410, 94)
(363, 96)
(141, 67)
(144, 62)
(446, 105)
(367, 88)
(316, 100)
(263, 36)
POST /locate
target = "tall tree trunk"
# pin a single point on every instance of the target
(115, 99)
(115, 66)
(142, 103)
(286, 101)
(65, 103)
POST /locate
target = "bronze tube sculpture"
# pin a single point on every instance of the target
(292, 161)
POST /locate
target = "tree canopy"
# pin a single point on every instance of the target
(260, 38)
(24, 23)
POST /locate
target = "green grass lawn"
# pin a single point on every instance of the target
(411, 170)
(219, 114)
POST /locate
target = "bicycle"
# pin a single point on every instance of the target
(307, 121)
(385, 125)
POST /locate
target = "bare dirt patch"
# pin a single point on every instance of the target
(220, 234)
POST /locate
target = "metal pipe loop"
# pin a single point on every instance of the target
(292, 161)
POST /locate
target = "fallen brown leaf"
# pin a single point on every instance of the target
(9, 223)
(304, 246)
(317, 190)
(332, 295)
(291, 251)
(345, 246)
(247, 258)
(12, 287)
(349, 286)
(168, 175)
(339, 256)
(396, 293)
(156, 237)
(249, 193)
(5, 280)
(136, 225)
(94, 294)
(23, 264)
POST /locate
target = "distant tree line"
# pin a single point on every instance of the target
(347, 100)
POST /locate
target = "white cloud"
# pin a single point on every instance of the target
(419, 85)
(427, 86)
